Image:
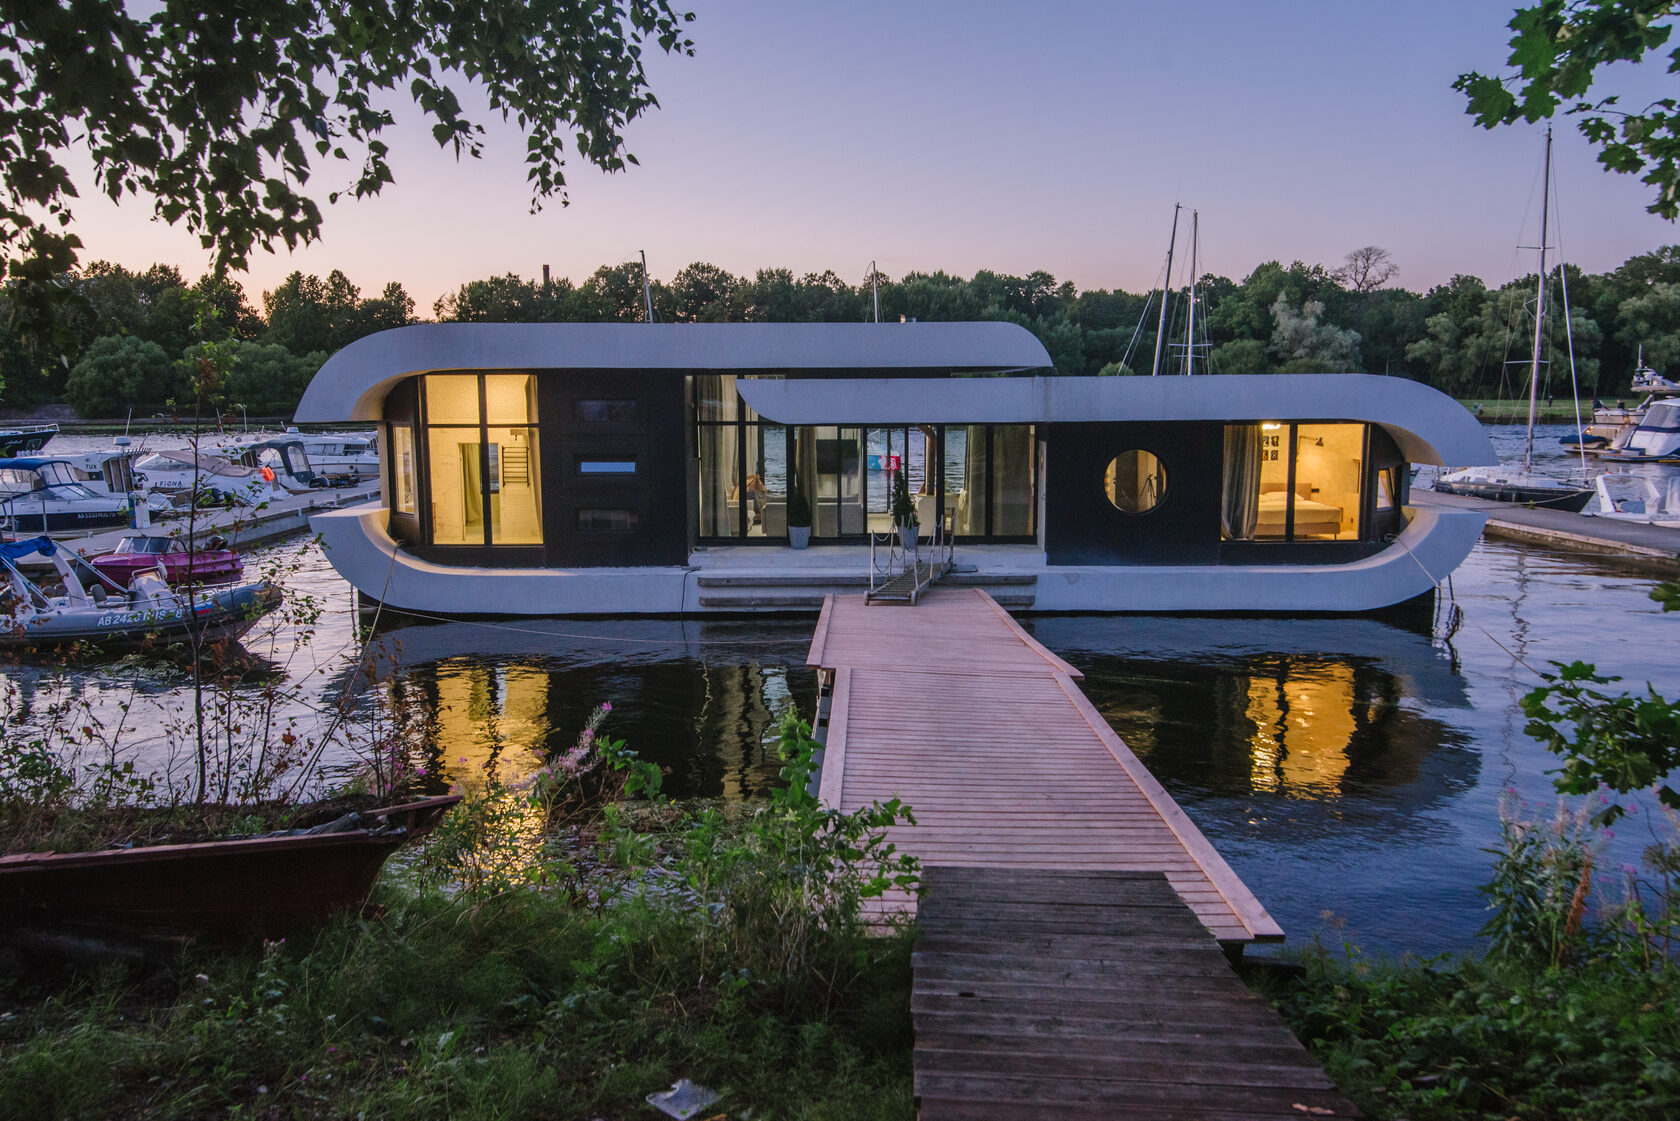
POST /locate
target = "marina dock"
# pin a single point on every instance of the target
(1073, 914)
(1647, 546)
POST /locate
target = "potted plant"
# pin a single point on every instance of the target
(904, 510)
(798, 516)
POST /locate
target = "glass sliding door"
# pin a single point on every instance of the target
(1014, 503)
(830, 462)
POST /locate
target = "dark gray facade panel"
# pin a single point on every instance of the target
(1081, 526)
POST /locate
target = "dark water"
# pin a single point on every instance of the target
(1347, 766)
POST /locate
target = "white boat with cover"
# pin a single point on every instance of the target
(558, 469)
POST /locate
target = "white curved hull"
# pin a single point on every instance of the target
(1434, 543)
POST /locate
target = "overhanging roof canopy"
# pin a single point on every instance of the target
(1429, 426)
(353, 383)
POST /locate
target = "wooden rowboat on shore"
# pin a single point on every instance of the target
(264, 885)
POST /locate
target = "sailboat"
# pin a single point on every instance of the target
(1506, 484)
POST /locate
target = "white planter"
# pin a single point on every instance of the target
(907, 534)
(799, 536)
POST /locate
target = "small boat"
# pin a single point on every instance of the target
(1612, 426)
(248, 886)
(283, 461)
(43, 496)
(1655, 440)
(210, 563)
(1626, 497)
(182, 473)
(106, 616)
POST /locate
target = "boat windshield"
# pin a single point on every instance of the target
(149, 545)
(17, 480)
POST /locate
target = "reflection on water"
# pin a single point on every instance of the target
(701, 700)
(1347, 765)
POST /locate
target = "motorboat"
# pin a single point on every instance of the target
(112, 472)
(25, 439)
(94, 610)
(1613, 425)
(1655, 440)
(210, 563)
(44, 496)
(340, 453)
(180, 474)
(1652, 499)
(283, 461)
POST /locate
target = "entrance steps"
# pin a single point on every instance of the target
(794, 591)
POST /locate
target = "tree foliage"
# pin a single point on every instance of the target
(120, 374)
(1556, 53)
(1460, 337)
(220, 112)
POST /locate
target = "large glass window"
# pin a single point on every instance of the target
(483, 467)
(1293, 482)
(983, 477)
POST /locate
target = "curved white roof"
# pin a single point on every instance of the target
(1429, 426)
(353, 383)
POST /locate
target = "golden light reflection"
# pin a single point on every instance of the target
(490, 715)
(1303, 729)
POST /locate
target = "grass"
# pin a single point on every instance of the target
(517, 1006)
(1515, 411)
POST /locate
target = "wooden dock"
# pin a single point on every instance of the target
(1074, 923)
(952, 707)
(1091, 995)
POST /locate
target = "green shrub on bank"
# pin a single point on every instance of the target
(1570, 1014)
(519, 971)
(511, 1007)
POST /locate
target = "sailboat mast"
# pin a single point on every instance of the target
(1190, 327)
(1166, 286)
(647, 289)
(1539, 307)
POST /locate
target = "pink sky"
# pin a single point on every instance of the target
(967, 135)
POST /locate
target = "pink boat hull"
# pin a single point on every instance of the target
(218, 567)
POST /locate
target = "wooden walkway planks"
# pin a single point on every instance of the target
(1047, 993)
(952, 707)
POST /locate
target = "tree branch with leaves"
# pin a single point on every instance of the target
(220, 113)
(1557, 51)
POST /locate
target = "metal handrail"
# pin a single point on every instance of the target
(899, 561)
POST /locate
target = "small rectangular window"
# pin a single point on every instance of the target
(595, 520)
(604, 411)
(606, 466)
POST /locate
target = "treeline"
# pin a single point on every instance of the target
(133, 339)
(137, 334)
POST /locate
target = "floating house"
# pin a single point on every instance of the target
(576, 469)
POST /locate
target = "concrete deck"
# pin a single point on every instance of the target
(1650, 545)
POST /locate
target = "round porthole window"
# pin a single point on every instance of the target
(1135, 482)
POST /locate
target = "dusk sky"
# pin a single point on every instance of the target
(1014, 137)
